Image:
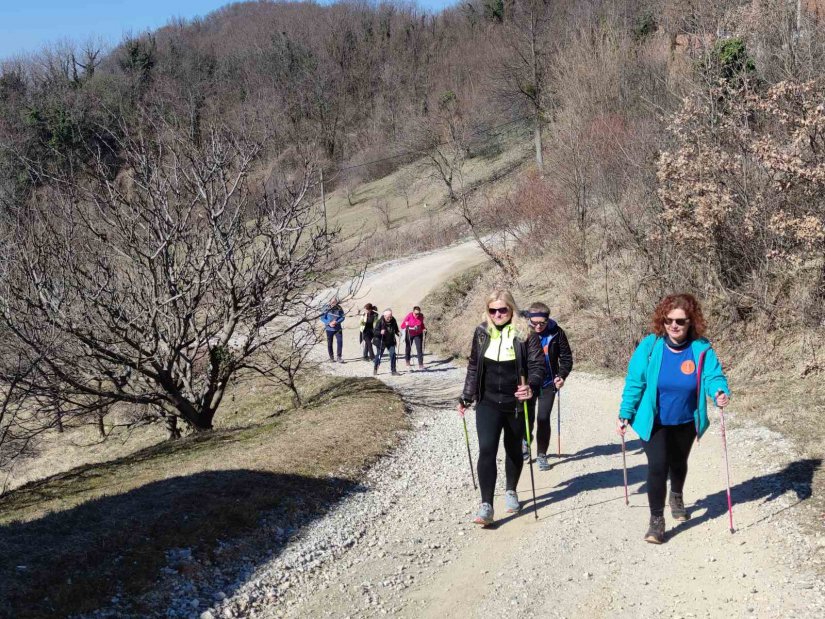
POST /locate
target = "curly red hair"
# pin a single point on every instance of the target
(683, 301)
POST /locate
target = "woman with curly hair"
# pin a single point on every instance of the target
(671, 374)
(505, 369)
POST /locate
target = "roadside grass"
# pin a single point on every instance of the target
(70, 542)
(429, 210)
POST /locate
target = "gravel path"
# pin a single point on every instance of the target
(406, 547)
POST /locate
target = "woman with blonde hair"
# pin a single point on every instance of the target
(672, 373)
(504, 351)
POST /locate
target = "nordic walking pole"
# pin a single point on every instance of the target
(727, 467)
(530, 453)
(624, 466)
(469, 456)
(558, 424)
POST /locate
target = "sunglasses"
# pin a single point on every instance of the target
(541, 324)
(498, 310)
(679, 321)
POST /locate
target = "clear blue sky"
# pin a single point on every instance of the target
(28, 25)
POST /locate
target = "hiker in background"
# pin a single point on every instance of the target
(384, 333)
(670, 376)
(558, 363)
(414, 324)
(504, 349)
(332, 317)
(366, 327)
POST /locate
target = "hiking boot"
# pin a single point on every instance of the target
(511, 503)
(340, 360)
(677, 507)
(420, 366)
(332, 359)
(541, 460)
(394, 373)
(656, 531)
(484, 515)
(525, 451)
(408, 364)
(375, 371)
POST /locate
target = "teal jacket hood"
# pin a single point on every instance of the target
(639, 395)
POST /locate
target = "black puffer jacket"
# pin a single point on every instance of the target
(529, 361)
(561, 356)
(390, 330)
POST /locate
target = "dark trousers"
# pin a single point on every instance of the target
(490, 423)
(419, 347)
(369, 353)
(667, 455)
(540, 411)
(380, 353)
(339, 340)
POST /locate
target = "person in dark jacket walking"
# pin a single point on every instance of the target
(367, 323)
(558, 363)
(384, 334)
(504, 350)
(333, 317)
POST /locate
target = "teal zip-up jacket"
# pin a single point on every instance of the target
(639, 394)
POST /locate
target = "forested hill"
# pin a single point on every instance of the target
(678, 145)
(348, 82)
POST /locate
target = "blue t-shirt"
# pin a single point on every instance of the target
(676, 397)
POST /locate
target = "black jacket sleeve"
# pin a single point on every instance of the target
(535, 362)
(471, 381)
(565, 355)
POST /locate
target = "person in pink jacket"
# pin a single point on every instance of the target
(414, 324)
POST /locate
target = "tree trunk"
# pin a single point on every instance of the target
(172, 427)
(537, 139)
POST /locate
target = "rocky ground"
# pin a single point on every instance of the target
(405, 546)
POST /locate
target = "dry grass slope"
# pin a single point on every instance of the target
(70, 542)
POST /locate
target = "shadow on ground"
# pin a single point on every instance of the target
(796, 477)
(75, 560)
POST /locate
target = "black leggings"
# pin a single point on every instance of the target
(667, 453)
(418, 339)
(543, 405)
(490, 421)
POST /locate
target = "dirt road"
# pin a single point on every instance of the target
(406, 547)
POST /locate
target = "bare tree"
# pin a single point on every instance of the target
(382, 208)
(284, 361)
(523, 75)
(442, 143)
(156, 285)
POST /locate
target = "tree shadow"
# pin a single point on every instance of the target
(73, 561)
(796, 477)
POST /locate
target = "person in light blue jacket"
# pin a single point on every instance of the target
(672, 373)
(333, 319)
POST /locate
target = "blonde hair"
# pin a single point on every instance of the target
(516, 319)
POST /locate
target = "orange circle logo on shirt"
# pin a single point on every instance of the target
(688, 367)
